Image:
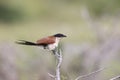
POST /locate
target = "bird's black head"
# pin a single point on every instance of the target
(59, 35)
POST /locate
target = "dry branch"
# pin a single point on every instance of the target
(52, 76)
(58, 57)
(84, 76)
(115, 78)
(59, 61)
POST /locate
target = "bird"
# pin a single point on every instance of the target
(49, 42)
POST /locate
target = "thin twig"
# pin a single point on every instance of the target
(83, 76)
(52, 76)
(114, 78)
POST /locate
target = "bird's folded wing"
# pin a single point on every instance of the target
(47, 40)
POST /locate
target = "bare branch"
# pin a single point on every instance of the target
(114, 78)
(58, 56)
(83, 76)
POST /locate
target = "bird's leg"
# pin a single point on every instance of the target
(54, 52)
(45, 47)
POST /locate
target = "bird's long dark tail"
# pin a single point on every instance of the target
(23, 42)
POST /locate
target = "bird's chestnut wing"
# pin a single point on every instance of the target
(47, 40)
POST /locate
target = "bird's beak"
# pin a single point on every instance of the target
(64, 36)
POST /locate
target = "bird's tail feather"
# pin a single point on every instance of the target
(23, 42)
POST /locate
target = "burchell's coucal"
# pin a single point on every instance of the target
(50, 42)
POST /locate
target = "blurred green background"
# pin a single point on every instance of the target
(93, 41)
